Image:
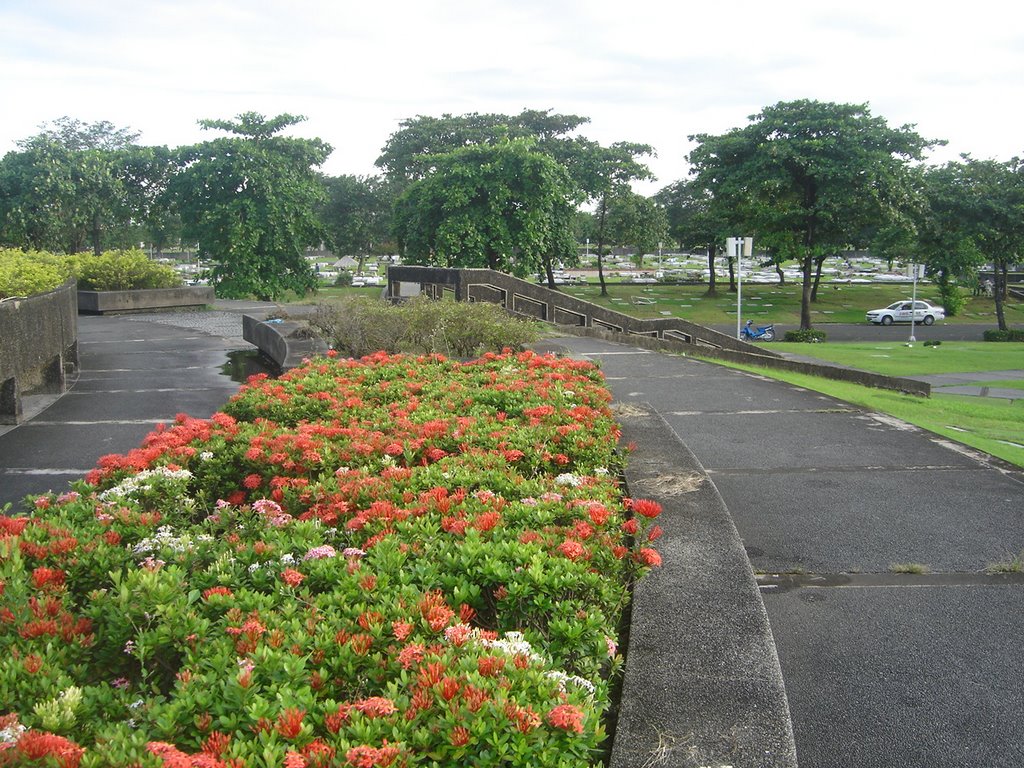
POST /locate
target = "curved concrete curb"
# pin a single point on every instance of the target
(286, 342)
(703, 686)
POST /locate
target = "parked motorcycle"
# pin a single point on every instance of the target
(751, 332)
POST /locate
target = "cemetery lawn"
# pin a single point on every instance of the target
(772, 303)
(994, 426)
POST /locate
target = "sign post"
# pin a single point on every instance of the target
(916, 271)
(738, 247)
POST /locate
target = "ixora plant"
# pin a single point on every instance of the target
(394, 561)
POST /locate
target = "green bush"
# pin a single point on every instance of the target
(952, 298)
(806, 335)
(121, 271)
(23, 273)
(344, 279)
(1012, 334)
(359, 326)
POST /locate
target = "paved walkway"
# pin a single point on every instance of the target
(135, 372)
(880, 668)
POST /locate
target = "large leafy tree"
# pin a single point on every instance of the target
(250, 201)
(409, 153)
(601, 173)
(504, 206)
(357, 214)
(68, 187)
(695, 222)
(816, 175)
(975, 214)
(637, 221)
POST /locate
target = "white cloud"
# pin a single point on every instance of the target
(646, 70)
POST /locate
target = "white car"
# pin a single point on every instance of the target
(900, 312)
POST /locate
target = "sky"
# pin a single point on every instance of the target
(647, 71)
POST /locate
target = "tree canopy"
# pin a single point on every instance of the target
(816, 175)
(504, 206)
(250, 201)
(74, 185)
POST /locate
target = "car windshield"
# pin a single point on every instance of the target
(896, 305)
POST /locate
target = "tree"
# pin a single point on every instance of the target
(250, 201)
(600, 172)
(65, 189)
(356, 215)
(503, 206)
(695, 222)
(409, 153)
(824, 173)
(636, 221)
(975, 213)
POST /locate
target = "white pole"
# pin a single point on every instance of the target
(739, 283)
(913, 303)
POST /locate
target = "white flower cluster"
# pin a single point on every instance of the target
(567, 478)
(165, 539)
(12, 733)
(514, 644)
(144, 481)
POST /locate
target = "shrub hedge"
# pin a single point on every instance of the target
(807, 335)
(390, 562)
(23, 273)
(1011, 334)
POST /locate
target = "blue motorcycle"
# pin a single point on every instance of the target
(750, 332)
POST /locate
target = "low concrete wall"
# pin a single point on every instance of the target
(540, 303)
(286, 342)
(38, 347)
(877, 380)
(143, 300)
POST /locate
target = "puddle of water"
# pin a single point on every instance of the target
(244, 363)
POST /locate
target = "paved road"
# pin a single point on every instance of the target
(881, 669)
(136, 371)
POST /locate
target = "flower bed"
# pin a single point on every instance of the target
(389, 562)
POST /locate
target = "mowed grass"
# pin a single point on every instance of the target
(994, 426)
(898, 359)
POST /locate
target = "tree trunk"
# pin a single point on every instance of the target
(805, 296)
(818, 261)
(549, 273)
(999, 292)
(780, 273)
(712, 285)
(602, 213)
(732, 275)
(96, 234)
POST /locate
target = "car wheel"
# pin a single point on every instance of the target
(887, 320)
(928, 319)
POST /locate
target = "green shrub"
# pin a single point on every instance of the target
(1013, 334)
(806, 335)
(952, 298)
(344, 279)
(933, 343)
(359, 326)
(124, 270)
(23, 273)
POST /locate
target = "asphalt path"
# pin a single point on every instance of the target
(135, 372)
(881, 668)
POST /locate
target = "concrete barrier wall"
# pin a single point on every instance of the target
(143, 300)
(286, 342)
(541, 303)
(38, 347)
(877, 380)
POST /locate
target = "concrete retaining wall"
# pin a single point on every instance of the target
(540, 303)
(143, 300)
(877, 380)
(286, 342)
(38, 347)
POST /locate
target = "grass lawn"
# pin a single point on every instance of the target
(897, 359)
(991, 425)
